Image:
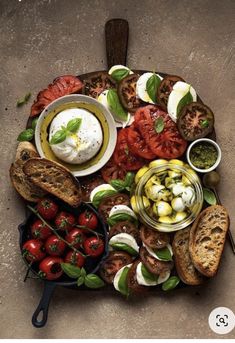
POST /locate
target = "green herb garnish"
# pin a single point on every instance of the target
(209, 196)
(115, 105)
(26, 135)
(159, 125)
(187, 99)
(24, 100)
(152, 86)
(72, 127)
(90, 280)
(119, 74)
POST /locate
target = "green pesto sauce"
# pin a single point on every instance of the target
(203, 155)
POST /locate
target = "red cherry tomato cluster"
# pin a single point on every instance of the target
(49, 250)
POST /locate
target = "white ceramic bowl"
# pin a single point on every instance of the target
(206, 140)
(102, 114)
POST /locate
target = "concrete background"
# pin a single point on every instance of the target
(43, 39)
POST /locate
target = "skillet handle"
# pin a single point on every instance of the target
(43, 306)
(116, 36)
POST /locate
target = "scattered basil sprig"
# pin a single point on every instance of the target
(187, 99)
(90, 280)
(209, 196)
(171, 283)
(119, 74)
(152, 86)
(115, 105)
(163, 254)
(159, 125)
(121, 185)
(60, 135)
(23, 100)
(26, 135)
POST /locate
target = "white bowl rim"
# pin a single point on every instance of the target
(215, 165)
(83, 99)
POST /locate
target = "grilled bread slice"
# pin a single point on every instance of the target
(55, 179)
(184, 265)
(207, 238)
(20, 181)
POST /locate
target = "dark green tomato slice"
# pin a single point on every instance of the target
(165, 89)
(196, 120)
(97, 83)
(127, 93)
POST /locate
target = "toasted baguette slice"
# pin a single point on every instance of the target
(184, 266)
(55, 179)
(20, 181)
(207, 238)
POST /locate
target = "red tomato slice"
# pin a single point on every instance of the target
(122, 154)
(112, 171)
(147, 113)
(137, 144)
(167, 144)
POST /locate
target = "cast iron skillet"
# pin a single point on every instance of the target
(116, 36)
(91, 265)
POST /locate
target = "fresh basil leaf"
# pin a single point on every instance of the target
(120, 217)
(171, 283)
(26, 135)
(119, 74)
(209, 196)
(205, 123)
(129, 179)
(93, 281)
(83, 272)
(24, 100)
(34, 123)
(163, 254)
(187, 99)
(58, 137)
(159, 125)
(80, 281)
(74, 124)
(100, 195)
(122, 283)
(152, 85)
(118, 184)
(115, 105)
(147, 275)
(124, 247)
(72, 271)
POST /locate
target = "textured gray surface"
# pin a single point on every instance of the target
(43, 39)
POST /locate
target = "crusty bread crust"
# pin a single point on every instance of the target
(20, 181)
(184, 266)
(55, 179)
(207, 238)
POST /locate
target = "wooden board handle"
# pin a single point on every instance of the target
(116, 37)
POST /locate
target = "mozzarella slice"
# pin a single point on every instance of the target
(140, 278)
(126, 239)
(122, 209)
(180, 89)
(152, 253)
(118, 275)
(163, 277)
(141, 87)
(104, 187)
(117, 67)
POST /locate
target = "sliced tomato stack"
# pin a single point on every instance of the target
(164, 143)
(62, 85)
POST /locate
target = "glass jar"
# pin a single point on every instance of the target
(151, 221)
